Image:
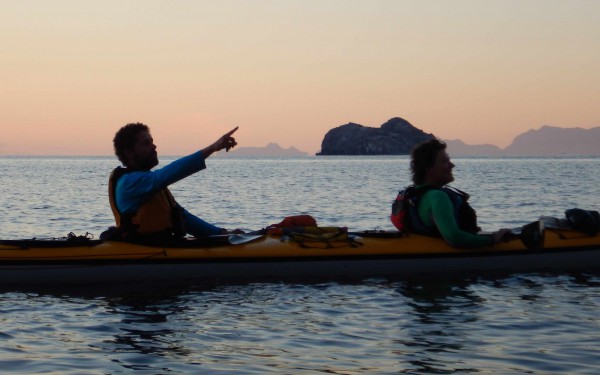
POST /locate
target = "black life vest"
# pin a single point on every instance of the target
(160, 215)
(405, 213)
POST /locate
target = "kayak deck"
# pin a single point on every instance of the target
(268, 246)
(365, 254)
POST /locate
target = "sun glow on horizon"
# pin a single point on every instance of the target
(287, 71)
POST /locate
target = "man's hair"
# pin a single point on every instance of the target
(125, 139)
(423, 157)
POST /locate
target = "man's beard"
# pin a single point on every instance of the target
(147, 163)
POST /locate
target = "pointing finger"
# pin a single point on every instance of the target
(232, 131)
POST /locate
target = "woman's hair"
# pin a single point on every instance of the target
(125, 139)
(423, 157)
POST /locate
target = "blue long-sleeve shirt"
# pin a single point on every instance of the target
(135, 188)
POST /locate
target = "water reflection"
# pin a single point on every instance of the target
(441, 309)
(448, 325)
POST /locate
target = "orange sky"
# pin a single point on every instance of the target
(287, 71)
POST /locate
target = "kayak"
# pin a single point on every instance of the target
(317, 254)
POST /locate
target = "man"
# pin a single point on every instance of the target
(441, 210)
(139, 198)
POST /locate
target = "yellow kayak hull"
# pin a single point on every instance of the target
(266, 257)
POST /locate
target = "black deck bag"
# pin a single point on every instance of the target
(584, 221)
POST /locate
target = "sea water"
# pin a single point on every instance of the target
(535, 323)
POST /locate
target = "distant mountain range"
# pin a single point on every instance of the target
(546, 141)
(272, 149)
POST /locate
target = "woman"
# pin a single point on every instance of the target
(440, 210)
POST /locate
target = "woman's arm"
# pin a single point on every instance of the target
(436, 209)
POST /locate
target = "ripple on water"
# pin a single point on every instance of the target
(532, 323)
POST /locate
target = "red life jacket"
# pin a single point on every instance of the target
(404, 206)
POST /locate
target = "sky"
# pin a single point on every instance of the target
(74, 72)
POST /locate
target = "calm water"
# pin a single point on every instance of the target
(525, 323)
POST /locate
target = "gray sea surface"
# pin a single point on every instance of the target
(535, 323)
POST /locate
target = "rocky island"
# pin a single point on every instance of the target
(396, 137)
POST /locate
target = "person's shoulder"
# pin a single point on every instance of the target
(435, 194)
(133, 177)
(136, 174)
